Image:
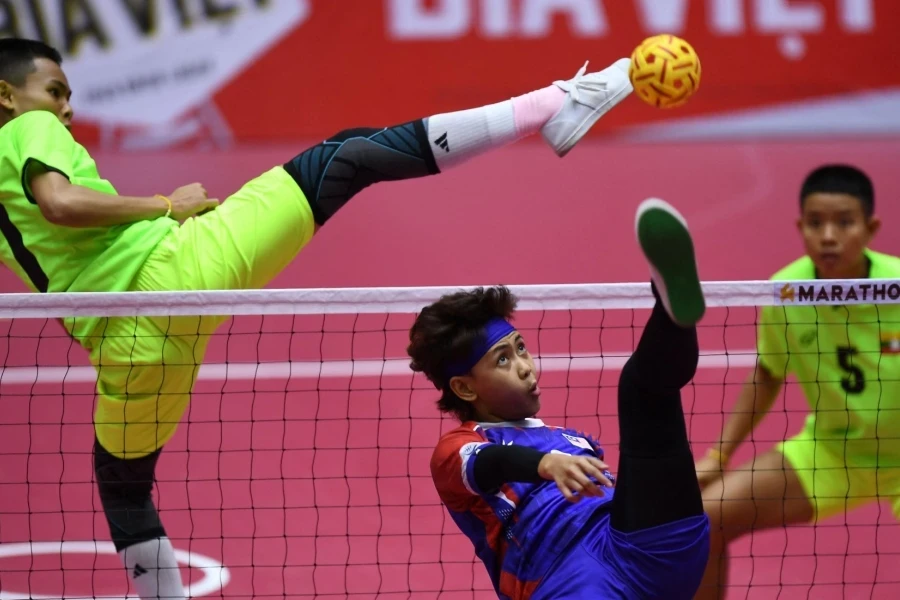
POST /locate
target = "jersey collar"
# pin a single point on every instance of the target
(524, 423)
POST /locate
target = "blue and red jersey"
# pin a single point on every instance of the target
(520, 529)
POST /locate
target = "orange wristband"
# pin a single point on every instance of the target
(718, 455)
(168, 203)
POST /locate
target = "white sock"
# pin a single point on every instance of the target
(152, 567)
(458, 136)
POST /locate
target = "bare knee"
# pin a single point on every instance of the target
(717, 539)
(729, 518)
(764, 494)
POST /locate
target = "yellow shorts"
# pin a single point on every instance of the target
(832, 483)
(147, 366)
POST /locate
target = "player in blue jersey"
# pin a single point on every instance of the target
(540, 506)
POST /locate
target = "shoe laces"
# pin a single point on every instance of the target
(588, 83)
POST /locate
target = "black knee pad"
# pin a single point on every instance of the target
(331, 173)
(125, 488)
(356, 132)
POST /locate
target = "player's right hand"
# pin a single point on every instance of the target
(709, 469)
(190, 200)
(573, 474)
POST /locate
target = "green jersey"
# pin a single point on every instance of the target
(846, 360)
(53, 258)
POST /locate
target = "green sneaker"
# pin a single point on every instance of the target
(666, 242)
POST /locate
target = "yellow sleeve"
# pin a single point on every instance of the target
(43, 143)
(771, 341)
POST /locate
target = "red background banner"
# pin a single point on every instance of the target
(347, 64)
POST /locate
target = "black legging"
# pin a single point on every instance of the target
(656, 481)
(334, 171)
(125, 488)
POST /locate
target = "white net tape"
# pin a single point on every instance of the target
(412, 299)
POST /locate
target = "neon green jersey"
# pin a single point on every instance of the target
(846, 360)
(53, 258)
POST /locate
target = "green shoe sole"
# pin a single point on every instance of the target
(666, 242)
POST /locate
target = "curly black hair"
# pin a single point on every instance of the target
(447, 331)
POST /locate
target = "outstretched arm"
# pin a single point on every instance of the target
(64, 203)
(756, 398)
(757, 395)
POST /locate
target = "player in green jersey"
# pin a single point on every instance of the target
(846, 361)
(64, 229)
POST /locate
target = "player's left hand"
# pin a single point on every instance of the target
(191, 200)
(575, 476)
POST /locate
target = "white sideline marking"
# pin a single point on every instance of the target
(215, 575)
(393, 367)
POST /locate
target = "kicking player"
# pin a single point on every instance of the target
(845, 361)
(64, 229)
(538, 501)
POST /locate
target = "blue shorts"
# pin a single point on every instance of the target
(665, 562)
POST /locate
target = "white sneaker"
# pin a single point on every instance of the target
(588, 97)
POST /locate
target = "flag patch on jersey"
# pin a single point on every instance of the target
(578, 441)
(890, 343)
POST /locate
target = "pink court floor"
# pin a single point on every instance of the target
(301, 469)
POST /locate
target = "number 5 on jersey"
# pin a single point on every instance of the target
(853, 382)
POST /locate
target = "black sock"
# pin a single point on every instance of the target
(334, 171)
(650, 412)
(655, 454)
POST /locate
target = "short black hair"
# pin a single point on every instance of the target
(446, 332)
(840, 179)
(17, 56)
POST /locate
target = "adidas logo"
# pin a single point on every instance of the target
(138, 571)
(443, 143)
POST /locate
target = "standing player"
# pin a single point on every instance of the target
(848, 452)
(535, 500)
(66, 230)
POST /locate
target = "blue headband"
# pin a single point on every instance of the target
(494, 330)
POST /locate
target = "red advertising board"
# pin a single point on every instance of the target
(285, 69)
